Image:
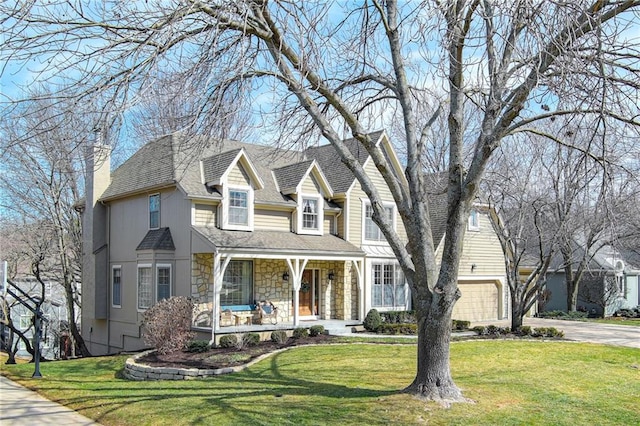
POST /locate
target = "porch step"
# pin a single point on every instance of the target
(344, 330)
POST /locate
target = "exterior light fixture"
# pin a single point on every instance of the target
(285, 276)
(473, 267)
(331, 276)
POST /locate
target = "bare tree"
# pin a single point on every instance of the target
(522, 221)
(315, 69)
(40, 183)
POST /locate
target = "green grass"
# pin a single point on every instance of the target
(617, 321)
(512, 382)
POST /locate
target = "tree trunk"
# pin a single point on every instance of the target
(572, 295)
(12, 349)
(517, 306)
(73, 328)
(433, 379)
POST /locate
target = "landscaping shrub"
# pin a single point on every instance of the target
(167, 325)
(372, 321)
(460, 325)
(408, 329)
(573, 315)
(628, 313)
(524, 330)
(252, 339)
(228, 341)
(300, 333)
(398, 317)
(547, 332)
(316, 330)
(279, 336)
(480, 330)
(198, 346)
(493, 330)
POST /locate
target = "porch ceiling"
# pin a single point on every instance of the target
(270, 243)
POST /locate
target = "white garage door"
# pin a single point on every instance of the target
(479, 302)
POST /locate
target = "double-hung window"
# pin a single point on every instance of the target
(163, 282)
(154, 211)
(310, 213)
(371, 230)
(237, 283)
(389, 289)
(145, 287)
(238, 207)
(116, 286)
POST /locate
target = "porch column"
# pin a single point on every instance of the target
(296, 270)
(359, 265)
(218, 274)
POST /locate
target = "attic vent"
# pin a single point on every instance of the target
(619, 266)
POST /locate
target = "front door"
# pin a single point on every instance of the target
(308, 293)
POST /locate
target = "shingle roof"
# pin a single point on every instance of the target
(279, 241)
(288, 177)
(157, 239)
(339, 176)
(215, 166)
(174, 159)
(151, 166)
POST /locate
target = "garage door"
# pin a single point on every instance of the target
(479, 302)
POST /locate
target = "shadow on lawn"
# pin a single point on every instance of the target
(245, 396)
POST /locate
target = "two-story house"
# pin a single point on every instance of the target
(232, 224)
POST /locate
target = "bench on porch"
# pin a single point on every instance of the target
(229, 315)
(237, 315)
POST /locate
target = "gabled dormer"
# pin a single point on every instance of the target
(306, 184)
(234, 176)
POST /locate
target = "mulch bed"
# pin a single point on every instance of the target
(225, 357)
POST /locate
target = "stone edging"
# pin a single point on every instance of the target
(135, 371)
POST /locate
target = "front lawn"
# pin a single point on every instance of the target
(513, 382)
(617, 321)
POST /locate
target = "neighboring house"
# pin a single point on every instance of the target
(610, 282)
(238, 223)
(53, 309)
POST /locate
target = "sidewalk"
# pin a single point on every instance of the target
(20, 406)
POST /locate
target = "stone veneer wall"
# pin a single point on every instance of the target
(202, 287)
(269, 285)
(337, 299)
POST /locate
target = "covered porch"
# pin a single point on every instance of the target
(307, 278)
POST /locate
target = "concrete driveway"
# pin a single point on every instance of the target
(584, 331)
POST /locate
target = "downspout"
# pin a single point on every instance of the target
(109, 277)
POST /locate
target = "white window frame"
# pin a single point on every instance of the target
(113, 269)
(149, 210)
(473, 223)
(227, 205)
(144, 266)
(320, 214)
(252, 278)
(157, 283)
(397, 273)
(383, 241)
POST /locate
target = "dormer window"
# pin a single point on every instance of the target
(238, 207)
(154, 211)
(310, 213)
